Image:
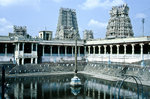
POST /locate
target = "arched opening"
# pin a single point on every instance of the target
(62, 50)
(108, 49)
(114, 49)
(27, 48)
(96, 50)
(82, 49)
(121, 49)
(55, 50)
(129, 49)
(137, 49)
(2, 48)
(146, 48)
(47, 49)
(102, 49)
(10, 48)
(69, 50)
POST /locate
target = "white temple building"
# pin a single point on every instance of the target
(120, 45)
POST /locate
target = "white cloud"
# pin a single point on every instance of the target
(97, 24)
(5, 26)
(140, 15)
(18, 2)
(91, 4)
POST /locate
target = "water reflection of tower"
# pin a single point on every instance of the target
(33, 90)
(19, 90)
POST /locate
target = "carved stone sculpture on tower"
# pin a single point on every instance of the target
(119, 25)
(67, 27)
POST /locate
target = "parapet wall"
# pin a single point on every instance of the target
(96, 68)
(118, 70)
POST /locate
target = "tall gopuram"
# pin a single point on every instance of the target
(67, 27)
(119, 25)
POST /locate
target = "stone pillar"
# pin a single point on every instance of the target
(111, 49)
(72, 51)
(58, 50)
(132, 48)
(51, 50)
(117, 49)
(93, 49)
(79, 51)
(36, 46)
(18, 59)
(65, 50)
(125, 49)
(105, 49)
(23, 48)
(99, 49)
(84, 50)
(22, 61)
(141, 44)
(43, 50)
(31, 60)
(5, 49)
(89, 49)
(36, 61)
(15, 47)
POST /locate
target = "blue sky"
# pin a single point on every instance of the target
(91, 14)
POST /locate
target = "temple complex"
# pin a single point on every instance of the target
(118, 46)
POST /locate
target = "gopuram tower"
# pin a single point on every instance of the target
(119, 25)
(67, 27)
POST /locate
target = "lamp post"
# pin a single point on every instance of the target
(75, 81)
(3, 82)
(76, 55)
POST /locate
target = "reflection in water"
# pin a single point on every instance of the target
(75, 90)
(58, 87)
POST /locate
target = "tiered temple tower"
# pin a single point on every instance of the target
(88, 35)
(119, 25)
(67, 27)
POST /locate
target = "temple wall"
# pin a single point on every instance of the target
(58, 58)
(128, 58)
(6, 58)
